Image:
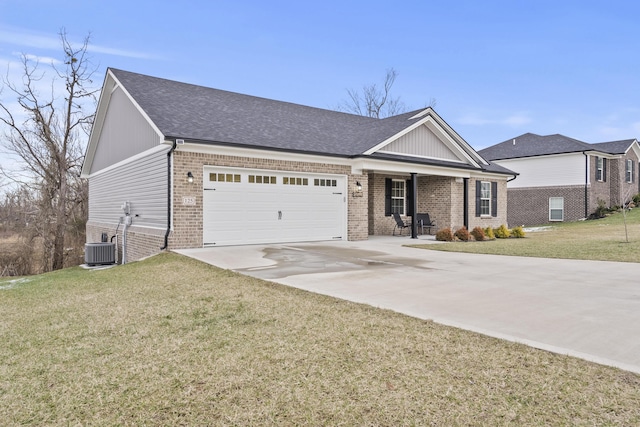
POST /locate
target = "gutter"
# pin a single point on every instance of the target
(166, 234)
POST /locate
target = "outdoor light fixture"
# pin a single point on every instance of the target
(189, 177)
(358, 190)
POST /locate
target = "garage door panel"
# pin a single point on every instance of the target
(243, 212)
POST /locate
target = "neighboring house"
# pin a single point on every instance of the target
(563, 179)
(184, 166)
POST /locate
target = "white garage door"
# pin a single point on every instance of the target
(245, 206)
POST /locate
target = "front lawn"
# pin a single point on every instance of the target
(602, 239)
(172, 341)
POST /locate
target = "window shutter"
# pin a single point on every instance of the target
(387, 197)
(604, 170)
(478, 194)
(494, 199)
(409, 198)
(633, 171)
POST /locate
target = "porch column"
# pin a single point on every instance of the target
(465, 198)
(414, 205)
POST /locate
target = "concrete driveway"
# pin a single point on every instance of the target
(588, 309)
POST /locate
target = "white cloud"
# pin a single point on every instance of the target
(514, 120)
(27, 38)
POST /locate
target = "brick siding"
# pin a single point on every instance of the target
(530, 206)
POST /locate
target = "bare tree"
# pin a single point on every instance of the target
(374, 101)
(47, 133)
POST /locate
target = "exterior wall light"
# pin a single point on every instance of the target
(189, 177)
(358, 190)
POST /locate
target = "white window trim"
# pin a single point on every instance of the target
(488, 199)
(550, 209)
(629, 171)
(404, 195)
(600, 169)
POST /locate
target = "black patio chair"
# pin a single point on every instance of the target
(425, 222)
(400, 224)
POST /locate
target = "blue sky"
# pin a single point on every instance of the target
(496, 69)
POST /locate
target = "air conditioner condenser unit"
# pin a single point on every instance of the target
(99, 253)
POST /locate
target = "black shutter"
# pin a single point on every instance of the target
(478, 194)
(387, 197)
(409, 199)
(604, 170)
(494, 199)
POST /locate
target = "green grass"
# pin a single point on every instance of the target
(602, 240)
(172, 341)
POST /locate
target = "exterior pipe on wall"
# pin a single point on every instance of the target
(166, 234)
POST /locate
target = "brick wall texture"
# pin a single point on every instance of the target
(530, 206)
(441, 197)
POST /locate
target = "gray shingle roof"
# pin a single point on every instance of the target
(530, 145)
(202, 114)
(614, 147)
(191, 112)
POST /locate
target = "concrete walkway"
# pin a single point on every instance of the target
(588, 309)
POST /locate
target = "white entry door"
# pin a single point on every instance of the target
(245, 206)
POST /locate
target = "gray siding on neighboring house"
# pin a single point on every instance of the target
(142, 182)
(421, 142)
(125, 133)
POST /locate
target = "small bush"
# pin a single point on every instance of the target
(463, 234)
(502, 232)
(478, 234)
(601, 211)
(636, 199)
(517, 232)
(488, 233)
(444, 235)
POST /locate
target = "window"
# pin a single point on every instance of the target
(629, 171)
(397, 196)
(556, 208)
(485, 198)
(295, 181)
(224, 177)
(601, 169)
(262, 179)
(324, 182)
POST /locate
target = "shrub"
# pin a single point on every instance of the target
(488, 233)
(636, 199)
(444, 235)
(517, 232)
(502, 232)
(478, 234)
(462, 233)
(601, 210)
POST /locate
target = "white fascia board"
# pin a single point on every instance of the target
(436, 127)
(262, 153)
(601, 154)
(395, 153)
(387, 166)
(161, 147)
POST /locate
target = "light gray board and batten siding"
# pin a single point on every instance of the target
(421, 142)
(125, 133)
(142, 182)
